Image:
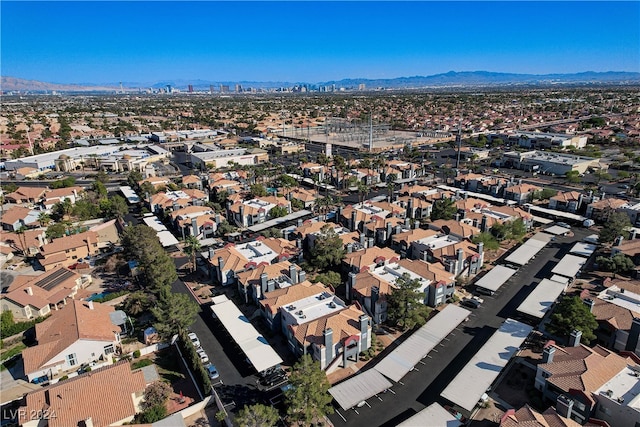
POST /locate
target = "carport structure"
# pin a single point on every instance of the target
(415, 348)
(496, 277)
(569, 266)
(259, 352)
(359, 388)
(529, 249)
(474, 379)
(542, 298)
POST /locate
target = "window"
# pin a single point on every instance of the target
(71, 359)
(108, 349)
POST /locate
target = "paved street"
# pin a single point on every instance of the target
(423, 386)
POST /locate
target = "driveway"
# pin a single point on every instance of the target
(422, 386)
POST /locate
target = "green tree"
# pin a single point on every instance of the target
(328, 249)
(490, 242)
(44, 219)
(118, 208)
(544, 194)
(572, 176)
(601, 175)
(257, 415)
(405, 306)
(156, 393)
(308, 400)
(619, 263)
(63, 209)
(134, 178)
(330, 277)
(174, 313)
(618, 224)
(444, 208)
(278, 211)
(85, 209)
(363, 190)
(287, 181)
(57, 230)
(258, 190)
(570, 314)
(225, 228)
(147, 187)
(99, 188)
(102, 177)
(192, 247)
(153, 414)
(141, 244)
(138, 302)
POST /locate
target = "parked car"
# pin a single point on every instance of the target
(203, 356)
(213, 372)
(563, 224)
(470, 302)
(194, 339)
(277, 377)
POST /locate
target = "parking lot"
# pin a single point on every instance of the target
(422, 386)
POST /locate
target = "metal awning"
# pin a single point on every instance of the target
(407, 355)
(358, 388)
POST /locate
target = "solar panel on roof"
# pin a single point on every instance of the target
(54, 279)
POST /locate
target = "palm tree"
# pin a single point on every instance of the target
(363, 190)
(44, 219)
(191, 247)
(22, 239)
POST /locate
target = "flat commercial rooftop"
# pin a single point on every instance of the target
(472, 382)
(407, 355)
(254, 346)
(478, 195)
(358, 388)
(432, 415)
(495, 278)
(541, 298)
(583, 249)
(569, 266)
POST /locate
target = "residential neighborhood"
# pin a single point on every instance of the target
(190, 277)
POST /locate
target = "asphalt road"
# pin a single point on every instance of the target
(237, 382)
(424, 385)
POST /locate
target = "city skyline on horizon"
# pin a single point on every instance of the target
(312, 42)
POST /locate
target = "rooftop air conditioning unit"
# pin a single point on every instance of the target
(332, 304)
(299, 313)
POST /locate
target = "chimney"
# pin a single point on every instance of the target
(302, 276)
(410, 208)
(299, 243)
(271, 286)
(242, 213)
(398, 229)
(407, 223)
(574, 338)
(175, 206)
(210, 253)
(375, 296)
(370, 242)
(218, 219)
(618, 241)
(353, 224)
(460, 256)
(264, 278)
(351, 283)
(457, 216)
(300, 223)
(328, 345)
(363, 240)
(90, 305)
(29, 290)
(416, 224)
(474, 223)
(389, 230)
(547, 354)
(220, 269)
(589, 303)
(632, 234)
(293, 274)
(349, 248)
(194, 227)
(564, 406)
(364, 328)
(634, 334)
(483, 224)
(339, 215)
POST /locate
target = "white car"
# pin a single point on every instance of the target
(203, 356)
(194, 339)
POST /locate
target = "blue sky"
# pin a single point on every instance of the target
(146, 42)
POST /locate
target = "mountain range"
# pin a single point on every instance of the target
(450, 79)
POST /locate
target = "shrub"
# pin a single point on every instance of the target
(141, 364)
(136, 354)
